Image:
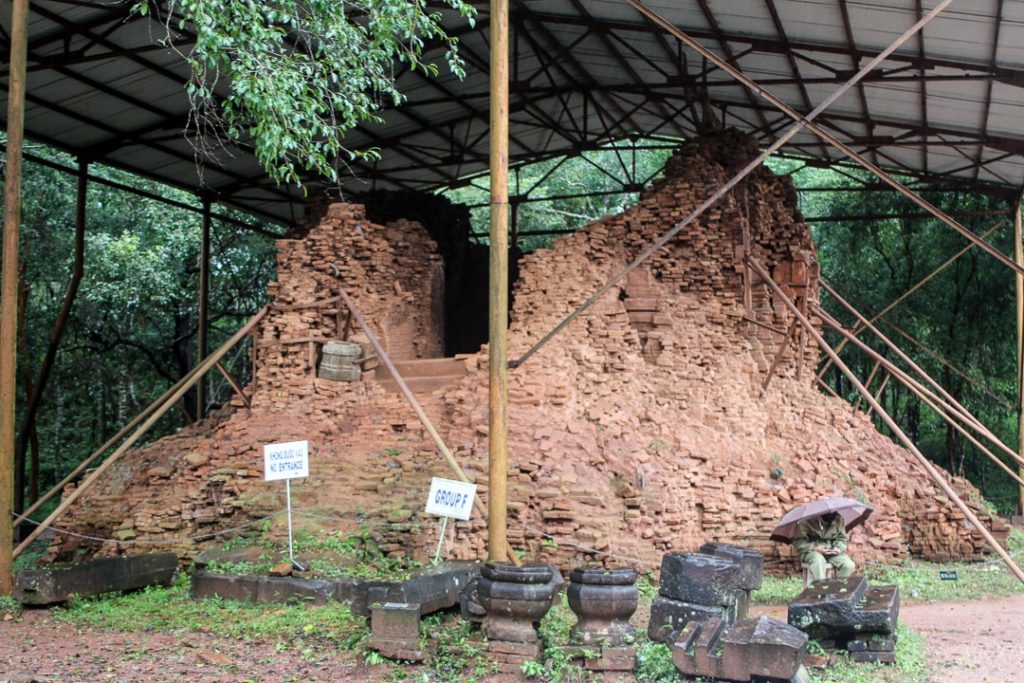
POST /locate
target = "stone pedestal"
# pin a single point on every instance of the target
(603, 601)
(514, 598)
(395, 630)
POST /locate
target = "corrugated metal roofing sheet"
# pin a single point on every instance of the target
(584, 73)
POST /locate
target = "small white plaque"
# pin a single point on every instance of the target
(286, 460)
(450, 498)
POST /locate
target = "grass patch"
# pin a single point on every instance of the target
(171, 609)
(777, 591)
(328, 555)
(919, 581)
(911, 665)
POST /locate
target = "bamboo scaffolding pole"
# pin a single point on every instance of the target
(234, 386)
(806, 121)
(891, 423)
(743, 173)
(868, 381)
(204, 367)
(204, 305)
(82, 466)
(916, 389)
(442, 448)
(497, 339)
(943, 396)
(953, 408)
(881, 388)
(778, 355)
(903, 297)
(9, 280)
(1018, 255)
(946, 364)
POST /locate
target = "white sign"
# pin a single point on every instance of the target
(286, 460)
(450, 498)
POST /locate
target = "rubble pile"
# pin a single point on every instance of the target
(639, 430)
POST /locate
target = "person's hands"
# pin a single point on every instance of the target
(830, 552)
(821, 549)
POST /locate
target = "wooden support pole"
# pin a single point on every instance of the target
(442, 448)
(891, 424)
(82, 466)
(1018, 255)
(942, 396)
(778, 355)
(929, 399)
(9, 282)
(903, 297)
(878, 394)
(201, 371)
(234, 386)
(204, 306)
(755, 163)
(806, 121)
(871, 375)
(497, 345)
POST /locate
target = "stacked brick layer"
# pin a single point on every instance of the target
(639, 430)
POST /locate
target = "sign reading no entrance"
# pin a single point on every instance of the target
(286, 460)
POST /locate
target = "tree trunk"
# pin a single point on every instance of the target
(28, 425)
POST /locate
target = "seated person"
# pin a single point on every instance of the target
(823, 540)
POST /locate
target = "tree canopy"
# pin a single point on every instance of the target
(290, 78)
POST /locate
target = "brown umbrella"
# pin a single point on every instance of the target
(853, 512)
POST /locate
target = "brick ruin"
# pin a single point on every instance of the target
(640, 429)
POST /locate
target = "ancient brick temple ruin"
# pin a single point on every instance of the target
(640, 429)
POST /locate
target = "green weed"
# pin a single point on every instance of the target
(170, 609)
(9, 605)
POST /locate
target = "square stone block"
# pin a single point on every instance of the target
(700, 579)
(668, 617)
(751, 562)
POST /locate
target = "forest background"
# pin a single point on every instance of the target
(132, 329)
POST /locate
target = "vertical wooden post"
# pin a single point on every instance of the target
(9, 282)
(204, 306)
(1018, 257)
(497, 415)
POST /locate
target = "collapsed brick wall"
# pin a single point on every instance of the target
(640, 429)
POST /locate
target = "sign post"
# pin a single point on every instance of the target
(286, 461)
(449, 498)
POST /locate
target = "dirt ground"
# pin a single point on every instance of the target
(972, 642)
(968, 642)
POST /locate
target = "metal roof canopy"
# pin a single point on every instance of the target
(584, 74)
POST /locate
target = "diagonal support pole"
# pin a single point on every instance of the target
(891, 423)
(858, 328)
(806, 122)
(743, 173)
(442, 448)
(942, 396)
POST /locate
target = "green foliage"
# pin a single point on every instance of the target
(457, 653)
(9, 606)
(911, 665)
(171, 609)
(292, 77)
(559, 660)
(654, 662)
(330, 554)
(133, 326)
(777, 590)
(919, 581)
(954, 327)
(601, 173)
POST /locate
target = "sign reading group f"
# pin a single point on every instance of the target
(450, 498)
